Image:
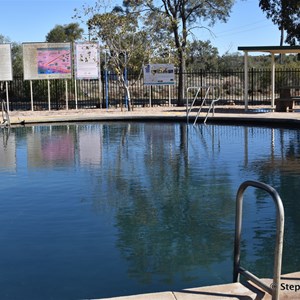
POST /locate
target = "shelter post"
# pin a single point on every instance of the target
(246, 81)
(273, 82)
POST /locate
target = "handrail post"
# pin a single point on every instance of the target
(237, 269)
(198, 89)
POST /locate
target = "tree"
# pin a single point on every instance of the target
(181, 15)
(16, 53)
(202, 55)
(17, 58)
(119, 34)
(65, 33)
(285, 14)
(4, 39)
(231, 61)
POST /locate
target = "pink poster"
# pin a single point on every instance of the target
(54, 60)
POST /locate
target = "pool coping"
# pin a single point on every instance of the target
(225, 114)
(224, 291)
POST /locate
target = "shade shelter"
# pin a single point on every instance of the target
(267, 49)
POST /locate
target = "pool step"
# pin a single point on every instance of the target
(290, 290)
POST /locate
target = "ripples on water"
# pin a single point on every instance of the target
(100, 210)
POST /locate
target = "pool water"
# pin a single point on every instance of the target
(109, 209)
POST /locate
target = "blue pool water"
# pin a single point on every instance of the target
(110, 209)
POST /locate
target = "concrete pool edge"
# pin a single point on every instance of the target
(225, 291)
(157, 114)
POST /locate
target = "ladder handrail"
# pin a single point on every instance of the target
(212, 104)
(237, 269)
(208, 88)
(198, 88)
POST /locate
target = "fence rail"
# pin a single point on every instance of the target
(106, 91)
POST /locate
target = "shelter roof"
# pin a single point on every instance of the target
(270, 49)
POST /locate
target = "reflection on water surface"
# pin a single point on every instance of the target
(100, 210)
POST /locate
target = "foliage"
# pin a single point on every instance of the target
(4, 39)
(285, 14)
(167, 25)
(180, 16)
(126, 44)
(17, 58)
(65, 33)
(231, 61)
(120, 34)
(201, 56)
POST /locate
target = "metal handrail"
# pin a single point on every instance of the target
(198, 89)
(212, 106)
(237, 269)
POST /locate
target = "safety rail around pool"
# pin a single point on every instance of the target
(215, 94)
(5, 116)
(237, 269)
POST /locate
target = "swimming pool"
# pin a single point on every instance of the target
(108, 209)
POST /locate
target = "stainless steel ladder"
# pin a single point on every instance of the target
(237, 269)
(208, 89)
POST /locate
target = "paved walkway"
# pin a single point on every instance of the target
(255, 114)
(290, 290)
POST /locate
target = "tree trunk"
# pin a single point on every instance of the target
(281, 44)
(281, 36)
(181, 79)
(124, 85)
(127, 92)
(180, 42)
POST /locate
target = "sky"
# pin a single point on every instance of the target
(31, 20)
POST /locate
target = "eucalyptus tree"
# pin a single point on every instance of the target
(230, 61)
(65, 33)
(17, 58)
(285, 14)
(4, 39)
(201, 55)
(182, 17)
(124, 42)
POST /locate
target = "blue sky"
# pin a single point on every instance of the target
(31, 20)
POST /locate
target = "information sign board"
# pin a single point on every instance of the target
(47, 61)
(5, 63)
(87, 61)
(159, 74)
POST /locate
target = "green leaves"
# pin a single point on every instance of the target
(285, 14)
(120, 33)
(65, 33)
(146, 28)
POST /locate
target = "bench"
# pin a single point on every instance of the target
(285, 102)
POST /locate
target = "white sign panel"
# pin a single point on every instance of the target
(159, 74)
(47, 61)
(87, 61)
(5, 62)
